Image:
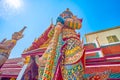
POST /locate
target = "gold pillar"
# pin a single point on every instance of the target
(27, 60)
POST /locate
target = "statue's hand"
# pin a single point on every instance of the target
(60, 19)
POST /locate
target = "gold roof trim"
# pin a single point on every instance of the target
(103, 30)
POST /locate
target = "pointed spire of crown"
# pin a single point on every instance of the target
(67, 9)
(66, 14)
(22, 30)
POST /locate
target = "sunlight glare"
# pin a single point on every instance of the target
(14, 4)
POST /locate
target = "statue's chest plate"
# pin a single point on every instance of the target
(72, 51)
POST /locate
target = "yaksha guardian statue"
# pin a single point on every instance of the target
(64, 57)
(7, 45)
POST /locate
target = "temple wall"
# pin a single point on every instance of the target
(102, 35)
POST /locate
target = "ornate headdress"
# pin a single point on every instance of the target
(19, 34)
(67, 14)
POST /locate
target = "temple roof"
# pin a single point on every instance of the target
(12, 67)
(41, 40)
(108, 50)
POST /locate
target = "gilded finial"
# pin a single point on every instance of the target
(51, 20)
(24, 50)
(35, 39)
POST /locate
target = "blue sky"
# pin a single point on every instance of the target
(36, 15)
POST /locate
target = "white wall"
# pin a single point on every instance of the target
(102, 35)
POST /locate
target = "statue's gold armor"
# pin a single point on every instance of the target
(71, 49)
(4, 53)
